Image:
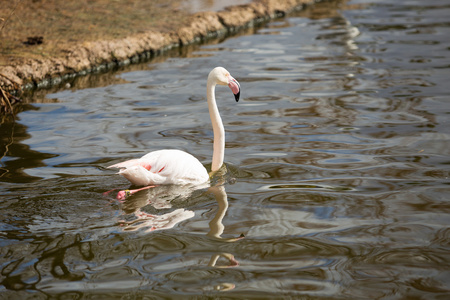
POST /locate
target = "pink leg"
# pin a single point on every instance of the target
(106, 194)
(125, 193)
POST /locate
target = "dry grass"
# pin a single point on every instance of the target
(63, 23)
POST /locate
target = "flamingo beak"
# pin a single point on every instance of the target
(235, 87)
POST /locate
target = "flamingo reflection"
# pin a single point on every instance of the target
(216, 227)
(159, 197)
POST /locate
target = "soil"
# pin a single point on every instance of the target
(46, 40)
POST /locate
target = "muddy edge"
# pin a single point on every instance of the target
(106, 54)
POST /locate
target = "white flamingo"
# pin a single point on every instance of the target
(171, 166)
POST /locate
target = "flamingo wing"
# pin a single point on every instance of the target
(163, 167)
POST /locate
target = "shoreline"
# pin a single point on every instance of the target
(102, 55)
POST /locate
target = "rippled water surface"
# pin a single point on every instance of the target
(337, 182)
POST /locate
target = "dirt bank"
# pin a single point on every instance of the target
(46, 42)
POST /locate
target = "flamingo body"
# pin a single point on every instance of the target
(163, 167)
(178, 167)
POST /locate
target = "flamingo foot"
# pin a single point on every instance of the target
(122, 195)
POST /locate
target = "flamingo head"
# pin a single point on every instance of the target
(223, 77)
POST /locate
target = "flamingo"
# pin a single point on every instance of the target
(170, 166)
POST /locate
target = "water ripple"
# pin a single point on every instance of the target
(336, 178)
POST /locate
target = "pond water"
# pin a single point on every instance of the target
(337, 158)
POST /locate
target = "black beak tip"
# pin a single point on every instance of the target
(236, 96)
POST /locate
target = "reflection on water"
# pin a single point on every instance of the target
(16, 156)
(160, 198)
(337, 168)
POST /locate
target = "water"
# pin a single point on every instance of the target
(337, 158)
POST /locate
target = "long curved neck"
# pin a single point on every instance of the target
(216, 121)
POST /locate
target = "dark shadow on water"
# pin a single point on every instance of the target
(16, 156)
